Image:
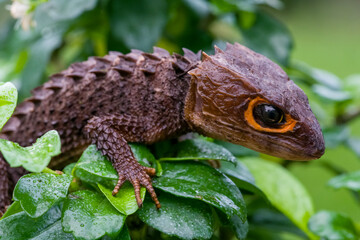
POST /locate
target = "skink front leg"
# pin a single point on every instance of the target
(106, 134)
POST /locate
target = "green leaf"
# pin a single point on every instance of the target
(202, 150)
(347, 180)
(270, 38)
(331, 94)
(142, 154)
(240, 229)
(138, 24)
(34, 158)
(235, 223)
(68, 9)
(181, 217)
(124, 201)
(21, 226)
(202, 182)
(39, 55)
(223, 6)
(319, 76)
(69, 168)
(237, 150)
(241, 176)
(93, 167)
(15, 207)
(89, 215)
(336, 135)
(332, 226)
(283, 190)
(124, 235)
(54, 232)
(353, 143)
(38, 192)
(8, 99)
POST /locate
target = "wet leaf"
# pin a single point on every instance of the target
(21, 226)
(347, 180)
(89, 215)
(202, 150)
(181, 217)
(138, 24)
(202, 182)
(69, 168)
(241, 177)
(124, 201)
(270, 38)
(15, 207)
(34, 158)
(237, 150)
(8, 99)
(93, 167)
(332, 226)
(124, 235)
(235, 223)
(38, 192)
(142, 154)
(283, 191)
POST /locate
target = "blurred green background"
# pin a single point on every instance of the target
(327, 36)
(326, 33)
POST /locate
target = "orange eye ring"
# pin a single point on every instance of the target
(249, 117)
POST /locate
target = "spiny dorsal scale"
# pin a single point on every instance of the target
(75, 75)
(77, 67)
(132, 57)
(11, 126)
(218, 50)
(98, 71)
(148, 69)
(151, 56)
(161, 52)
(41, 93)
(24, 108)
(114, 53)
(136, 51)
(123, 69)
(191, 56)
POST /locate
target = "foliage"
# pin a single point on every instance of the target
(249, 197)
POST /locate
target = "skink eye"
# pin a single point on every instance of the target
(262, 116)
(268, 115)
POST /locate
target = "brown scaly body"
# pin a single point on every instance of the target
(141, 97)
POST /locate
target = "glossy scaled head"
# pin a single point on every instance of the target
(242, 97)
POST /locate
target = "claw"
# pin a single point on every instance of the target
(150, 171)
(136, 185)
(141, 178)
(147, 184)
(118, 185)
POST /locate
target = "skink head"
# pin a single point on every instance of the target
(242, 97)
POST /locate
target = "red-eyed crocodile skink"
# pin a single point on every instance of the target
(235, 95)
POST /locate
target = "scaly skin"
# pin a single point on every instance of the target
(141, 97)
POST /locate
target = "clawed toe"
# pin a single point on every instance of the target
(150, 171)
(142, 178)
(118, 185)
